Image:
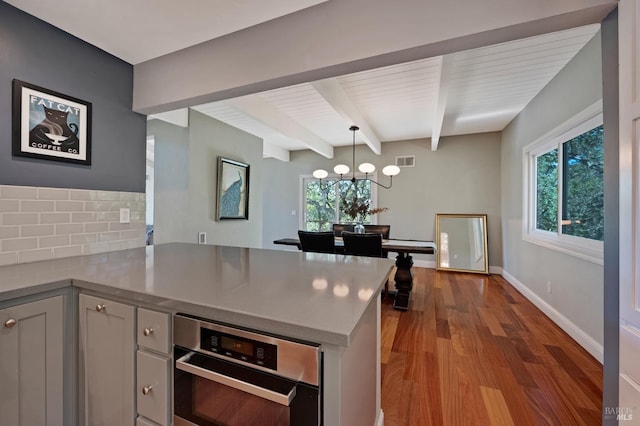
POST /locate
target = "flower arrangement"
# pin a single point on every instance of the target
(358, 208)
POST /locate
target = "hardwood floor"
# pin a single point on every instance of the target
(471, 350)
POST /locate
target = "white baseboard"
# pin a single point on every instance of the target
(432, 264)
(579, 335)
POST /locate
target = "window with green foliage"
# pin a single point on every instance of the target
(323, 203)
(565, 181)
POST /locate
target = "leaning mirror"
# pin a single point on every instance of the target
(462, 243)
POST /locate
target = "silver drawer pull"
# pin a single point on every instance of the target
(182, 364)
(10, 323)
(146, 390)
(147, 331)
(100, 307)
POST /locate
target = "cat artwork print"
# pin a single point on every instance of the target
(56, 131)
(50, 125)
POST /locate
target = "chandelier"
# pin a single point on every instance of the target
(366, 168)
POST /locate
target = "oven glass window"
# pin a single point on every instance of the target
(223, 405)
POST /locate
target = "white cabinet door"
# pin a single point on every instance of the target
(31, 363)
(629, 92)
(106, 362)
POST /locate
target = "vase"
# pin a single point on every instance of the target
(358, 228)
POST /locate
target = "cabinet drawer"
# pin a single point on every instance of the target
(154, 330)
(153, 387)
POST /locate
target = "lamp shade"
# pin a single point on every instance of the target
(367, 168)
(320, 174)
(341, 169)
(390, 170)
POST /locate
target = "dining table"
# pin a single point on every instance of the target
(404, 262)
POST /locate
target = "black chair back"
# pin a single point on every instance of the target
(339, 228)
(378, 229)
(362, 244)
(319, 242)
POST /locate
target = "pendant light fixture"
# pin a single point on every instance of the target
(366, 168)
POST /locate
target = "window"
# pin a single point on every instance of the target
(564, 200)
(321, 203)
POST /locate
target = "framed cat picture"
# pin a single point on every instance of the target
(49, 125)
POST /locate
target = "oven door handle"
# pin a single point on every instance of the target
(282, 399)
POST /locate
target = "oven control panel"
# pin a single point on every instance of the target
(243, 349)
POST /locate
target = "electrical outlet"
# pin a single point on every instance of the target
(202, 238)
(549, 287)
(125, 215)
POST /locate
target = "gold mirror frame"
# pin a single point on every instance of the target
(462, 243)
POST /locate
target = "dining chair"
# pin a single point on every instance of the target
(385, 230)
(339, 228)
(368, 244)
(318, 242)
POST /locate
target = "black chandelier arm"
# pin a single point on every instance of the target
(381, 185)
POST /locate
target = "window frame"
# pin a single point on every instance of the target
(302, 205)
(583, 248)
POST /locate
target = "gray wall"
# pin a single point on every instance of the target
(462, 176)
(171, 180)
(38, 53)
(185, 174)
(577, 285)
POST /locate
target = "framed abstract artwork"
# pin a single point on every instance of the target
(233, 190)
(49, 125)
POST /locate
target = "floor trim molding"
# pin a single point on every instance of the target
(579, 335)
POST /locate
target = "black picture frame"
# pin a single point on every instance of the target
(232, 198)
(49, 125)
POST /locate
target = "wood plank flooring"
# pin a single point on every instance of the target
(471, 350)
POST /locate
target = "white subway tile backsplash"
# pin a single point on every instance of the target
(19, 218)
(69, 206)
(8, 259)
(56, 241)
(43, 223)
(106, 237)
(69, 228)
(9, 205)
(84, 217)
(53, 194)
(96, 206)
(54, 218)
(108, 196)
(84, 238)
(109, 216)
(17, 244)
(96, 248)
(9, 232)
(67, 251)
(36, 206)
(96, 227)
(82, 195)
(35, 255)
(18, 192)
(36, 230)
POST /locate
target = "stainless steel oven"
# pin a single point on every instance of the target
(229, 376)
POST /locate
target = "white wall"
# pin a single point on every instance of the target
(186, 175)
(462, 176)
(577, 285)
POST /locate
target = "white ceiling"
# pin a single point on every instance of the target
(474, 91)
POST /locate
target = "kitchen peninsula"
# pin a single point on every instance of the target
(330, 300)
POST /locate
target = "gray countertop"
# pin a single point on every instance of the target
(312, 296)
